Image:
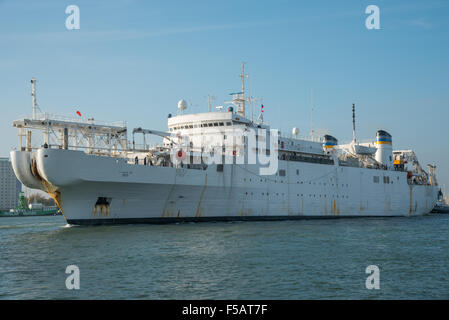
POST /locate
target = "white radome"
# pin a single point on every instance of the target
(182, 105)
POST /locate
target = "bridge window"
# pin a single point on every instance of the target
(376, 179)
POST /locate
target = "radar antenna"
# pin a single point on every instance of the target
(239, 97)
(353, 124)
(209, 98)
(242, 104)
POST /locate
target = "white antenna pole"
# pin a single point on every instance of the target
(242, 110)
(312, 103)
(33, 94)
(353, 123)
(251, 93)
(208, 101)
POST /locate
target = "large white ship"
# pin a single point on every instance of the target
(218, 165)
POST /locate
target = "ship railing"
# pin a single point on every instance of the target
(165, 163)
(370, 142)
(145, 147)
(58, 117)
(98, 151)
(304, 137)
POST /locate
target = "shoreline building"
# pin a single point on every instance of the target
(10, 187)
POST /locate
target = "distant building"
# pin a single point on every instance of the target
(10, 187)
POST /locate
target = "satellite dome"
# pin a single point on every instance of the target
(182, 104)
(295, 131)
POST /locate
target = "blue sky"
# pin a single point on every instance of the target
(133, 60)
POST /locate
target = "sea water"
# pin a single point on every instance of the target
(302, 259)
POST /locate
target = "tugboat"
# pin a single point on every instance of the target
(441, 205)
(33, 209)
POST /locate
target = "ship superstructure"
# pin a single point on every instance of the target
(215, 166)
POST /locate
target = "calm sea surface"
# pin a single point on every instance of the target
(308, 259)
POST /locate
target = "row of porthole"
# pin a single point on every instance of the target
(324, 184)
(325, 196)
(300, 182)
(310, 195)
(201, 125)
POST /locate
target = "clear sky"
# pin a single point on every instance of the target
(133, 60)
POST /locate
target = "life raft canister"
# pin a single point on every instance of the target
(181, 155)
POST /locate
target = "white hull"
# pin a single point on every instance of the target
(164, 194)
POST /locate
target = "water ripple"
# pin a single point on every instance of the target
(309, 259)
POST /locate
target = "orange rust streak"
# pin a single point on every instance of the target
(53, 193)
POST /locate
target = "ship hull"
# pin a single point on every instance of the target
(93, 189)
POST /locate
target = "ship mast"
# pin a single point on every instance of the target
(33, 94)
(353, 124)
(312, 132)
(242, 93)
